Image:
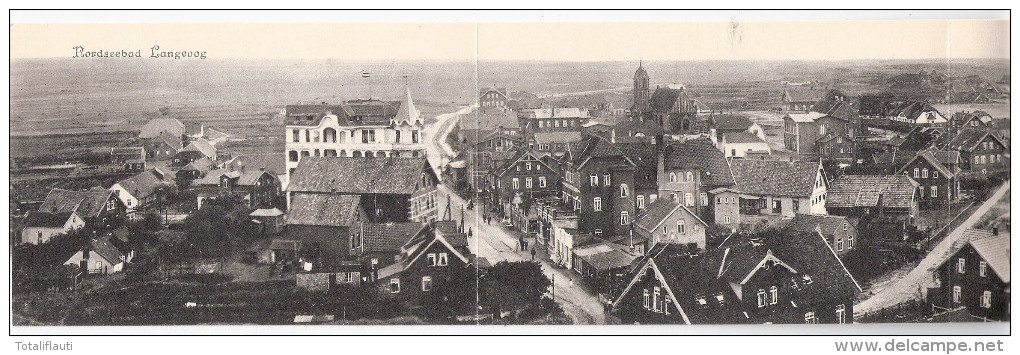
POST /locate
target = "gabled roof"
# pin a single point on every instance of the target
(962, 119)
(929, 156)
(323, 209)
(599, 148)
(643, 155)
(213, 177)
(805, 117)
(741, 137)
(699, 154)
(142, 185)
(46, 219)
(520, 154)
(388, 237)
(606, 256)
(731, 122)
(773, 177)
(193, 128)
(138, 152)
(379, 175)
(995, 251)
(105, 249)
(250, 177)
(559, 112)
(805, 253)
(827, 225)
(86, 203)
(202, 146)
(870, 190)
(969, 138)
(275, 163)
(266, 212)
(202, 165)
(663, 98)
(657, 212)
(912, 109)
(157, 126)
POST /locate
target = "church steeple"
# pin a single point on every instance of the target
(641, 91)
(407, 112)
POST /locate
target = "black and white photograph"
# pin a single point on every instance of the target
(330, 172)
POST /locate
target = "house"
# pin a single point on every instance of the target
(561, 119)
(259, 188)
(390, 189)
(799, 100)
(976, 276)
(97, 207)
(688, 170)
(790, 278)
(936, 177)
(99, 257)
(552, 215)
(980, 151)
(873, 195)
(430, 266)
(193, 170)
(195, 150)
(777, 188)
(39, 227)
(837, 147)
(666, 221)
(645, 156)
(802, 131)
(162, 147)
(493, 98)
(555, 142)
(140, 189)
(975, 119)
(517, 184)
(740, 144)
(130, 158)
(470, 130)
(566, 239)
(157, 127)
(331, 274)
(917, 113)
(380, 244)
(721, 124)
(326, 225)
(354, 128)
(839, 231)
(598, 181)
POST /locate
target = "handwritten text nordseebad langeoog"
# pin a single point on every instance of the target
(154, 52)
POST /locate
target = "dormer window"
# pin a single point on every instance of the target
(720, 298)
(807, 279)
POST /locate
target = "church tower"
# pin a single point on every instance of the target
(641, 93)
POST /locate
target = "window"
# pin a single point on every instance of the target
(849, 242)
(606, 178)
(665, 307)
(924, 173)
(957, 292)
(648, 301)
(623, 190)
(934, 191)
(839, 244)
(640, 201)
(529, 165)
(432, 259)
(394, 285)
(598, 232)
(426, 283)
(773, 295)
(597, 202)
(293, 155)
(516, 184)
(690, 176)
(624, 218)
(528, 183)
(297, 135)
(689, 199)
(761, 297)
(809, 318)
(986, 299)
(655, 299)
(841, 314)
(704, 199)
(541, 181)
(518, 168)
(672, 177)
(594, 180)
(917, 172)
(983, 268)
(681, 228)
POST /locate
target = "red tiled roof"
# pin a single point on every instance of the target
(773, 177)
(323, 209)
(379, 175)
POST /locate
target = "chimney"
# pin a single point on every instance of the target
(995, 230)
(660, 149)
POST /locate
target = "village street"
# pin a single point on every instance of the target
(907, 287)
(496, 244)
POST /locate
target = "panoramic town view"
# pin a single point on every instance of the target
(508, 192)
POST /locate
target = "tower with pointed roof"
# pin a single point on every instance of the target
(641, 92)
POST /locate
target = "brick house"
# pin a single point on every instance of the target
(666, 221)
(981, 151)
(688, 170)
(519, 182)
(938, 184)
(598, 181)
(802, 131)
(839, 231)
(976, 276)
(792, 278)
(259, 188)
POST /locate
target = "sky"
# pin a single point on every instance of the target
(546, 41)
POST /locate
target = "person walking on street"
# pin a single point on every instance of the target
(532, 254)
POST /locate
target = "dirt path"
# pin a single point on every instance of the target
(918, 279)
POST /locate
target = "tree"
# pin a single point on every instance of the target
(513, 285)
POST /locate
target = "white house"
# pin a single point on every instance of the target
(103, 258)
(40, 227)
(738, 144)
(137, 190)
